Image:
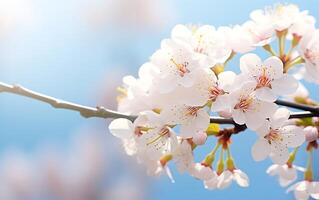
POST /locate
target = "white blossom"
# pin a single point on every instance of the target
(286, 174)
(275, 137)
(269, 77)
(305, 189)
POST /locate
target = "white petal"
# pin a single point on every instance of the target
(265, 94)
(264, 129)
(285, 85)
(249, 62)
(273, 170)
(279, 117)
(239, 117)
(241, 178)
(279, 153)
(274, 67)
(254, 120)
(121, 128)
(293, 136)
(226, 79)
(224, 180)
(211, 184)
(221, 103)
(284, 182)
(260, 150)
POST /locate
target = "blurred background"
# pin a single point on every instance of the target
(78, 50)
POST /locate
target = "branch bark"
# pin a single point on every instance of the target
(101, 112)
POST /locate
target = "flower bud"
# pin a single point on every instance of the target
(200, 138)
(311, 133)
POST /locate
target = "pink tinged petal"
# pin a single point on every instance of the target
(254, 121)
(285, 85)
(200, 138)
(260, 150)
(279, 118)
(202, 172)
(264, 129)
(211, 184)
(221, 103)
(273, 170)
(202, 120)
(267, 109)
(167, 84)
(279, 153)
(311, 133)
(181, 32)
(224, 180)
(288, 173)
(301, 195)
(121, 128)
(314, 187)
(187, 80)
(265, 94)
(241, 178)
(293, 136)
(284, 182)
(226, 80)
(249, 62)
(274, 67)
(239, 117)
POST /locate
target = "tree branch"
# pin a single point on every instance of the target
(313, 109)
(101, 112)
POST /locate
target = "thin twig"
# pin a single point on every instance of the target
(102, 112)
(313, 109)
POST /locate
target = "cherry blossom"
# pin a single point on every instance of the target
(269, 76)
(225, 179)
(275, 137)
(286, 174)
(247, 109)
(305, 189)
(176, 62)
(209, 44)
(191, 119)
(309, 50)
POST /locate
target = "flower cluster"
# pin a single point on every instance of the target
(185, 83)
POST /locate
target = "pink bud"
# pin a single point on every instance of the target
(311, 133)
(200, 138)
(225, 114)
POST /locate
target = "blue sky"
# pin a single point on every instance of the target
(61, 55)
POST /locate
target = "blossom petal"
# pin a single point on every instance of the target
(274, 67)
(279, 118)
(249, 62)
(121, 128)
(265, 94)
(241, 178)
(293, 136)
(224, 180)
(279, 153)
(260, 150)
(285, 85)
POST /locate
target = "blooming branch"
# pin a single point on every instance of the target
(101, 112)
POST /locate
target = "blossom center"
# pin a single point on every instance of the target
(181, 67)
(163, 132)
(192, 111)
(263, 80)
(273, 135)
(244, 104)
(214, 92)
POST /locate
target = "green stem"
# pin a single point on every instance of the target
(269, 49)
(295, 61)
(308, 172)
